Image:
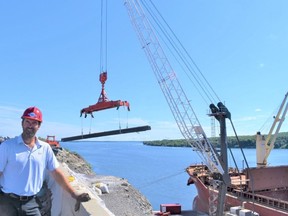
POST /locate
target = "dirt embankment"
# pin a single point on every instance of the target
(122, 200)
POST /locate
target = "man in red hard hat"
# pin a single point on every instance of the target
(23, 163)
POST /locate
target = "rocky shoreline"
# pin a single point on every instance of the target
(122, 200)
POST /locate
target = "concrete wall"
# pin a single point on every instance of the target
(63, 204)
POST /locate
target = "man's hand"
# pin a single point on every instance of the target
(84, 197)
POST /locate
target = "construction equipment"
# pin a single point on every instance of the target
(51, 140)
(178, 102)
(103, 101)
(264, 146)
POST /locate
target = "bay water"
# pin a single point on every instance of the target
(157, 172)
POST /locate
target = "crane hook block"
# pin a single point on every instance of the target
(103, 77)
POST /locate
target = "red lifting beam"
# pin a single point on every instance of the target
(103, 101)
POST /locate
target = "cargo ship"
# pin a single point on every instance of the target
(266, 194)
(262, 189)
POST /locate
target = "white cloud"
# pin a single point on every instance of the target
(247, 118)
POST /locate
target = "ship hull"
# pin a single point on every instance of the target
(270, 196)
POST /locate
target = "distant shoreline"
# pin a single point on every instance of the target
(248, 141)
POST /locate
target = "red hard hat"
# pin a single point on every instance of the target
(32, 113)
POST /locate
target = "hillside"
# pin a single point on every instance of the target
(244, 142)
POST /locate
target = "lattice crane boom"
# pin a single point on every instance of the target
(176, 98)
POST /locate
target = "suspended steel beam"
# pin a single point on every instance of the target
(107, 133)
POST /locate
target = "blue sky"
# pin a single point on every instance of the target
(50, 58)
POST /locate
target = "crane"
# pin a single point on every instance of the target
(264, 147)
(179, 104)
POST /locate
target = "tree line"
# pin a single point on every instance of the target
(248, 141)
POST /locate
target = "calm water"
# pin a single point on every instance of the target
(158, 172)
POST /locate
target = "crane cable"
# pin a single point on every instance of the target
(119, 119)
(103, 44)
(90, 126)
(103, 36)
(181, 52)
(264, 126)
(251, 177)
(161, 179)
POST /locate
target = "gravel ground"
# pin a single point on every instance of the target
(122, 200)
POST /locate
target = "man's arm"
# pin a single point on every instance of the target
(1, 185)
(64, 183)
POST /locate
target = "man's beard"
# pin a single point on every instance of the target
(29, 132)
